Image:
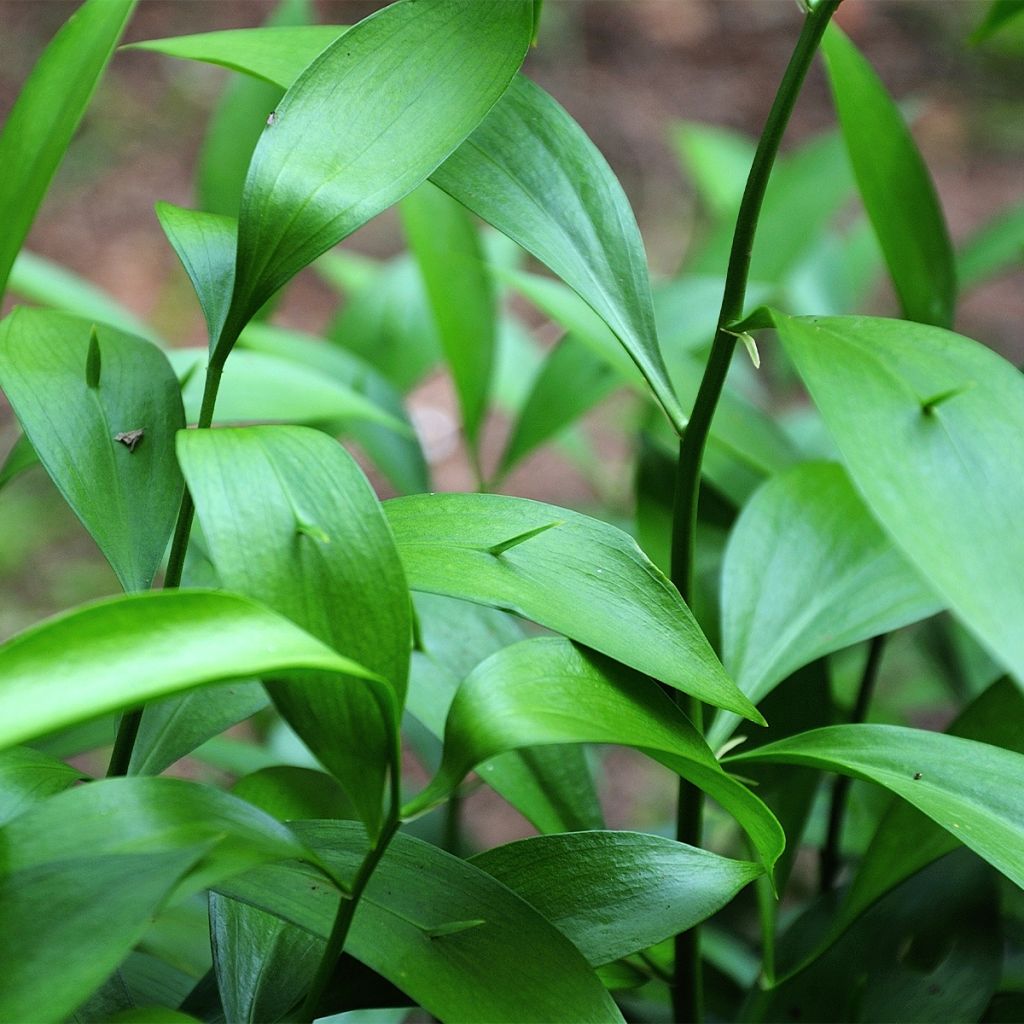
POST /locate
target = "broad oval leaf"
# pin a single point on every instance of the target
(968, 788)
(613, 893)
(100, 408)
(120, 653)
(547, 690)
(571, 573)
(411, 81)
(461, 944)
(46, 114)
(894, 184)
(931, 428)
(291, 521)
(807, 571)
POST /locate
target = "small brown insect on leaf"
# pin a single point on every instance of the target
(130, 438)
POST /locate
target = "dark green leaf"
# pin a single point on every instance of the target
(46, 114)
(613, 893)
(580, 577)
(20, 457)
(28, 776)
(931, 428)
(807, 571)
(547, 690)
(125, 492)
(290, 793)
(291, 520)
(999, 13)
(894, 184)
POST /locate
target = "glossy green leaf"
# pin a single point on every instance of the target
(20, 457)
(28, 776)
(531, 172)
(290, 793)
(994, 248)
(414, 80)
(613, 893)
(965, 786)
(547, 690)
(42, 281)
(291, 520)
(46, 113)
(894, 184)
(999, 14)
(395, 452)
(512, 966)
(79, 394)
(120, 653)
(173, 728)
(444, 240)
(931, 428)
(807, 571)
(571, 573)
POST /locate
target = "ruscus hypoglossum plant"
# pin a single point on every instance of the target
(383, 659)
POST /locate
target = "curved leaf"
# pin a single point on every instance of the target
(894, 184)
(966, 787)
(547, 690)
(443, 931)
(807, 571)
(28, 776)
(291, 520)
(46, 114)
(413, 81)
(613, 893)
(81, 394)
(931, 428)
(20, 457)
(120, 653)
(571, 573)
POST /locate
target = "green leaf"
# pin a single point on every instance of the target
(414, 80)
(613, 893)
(290, 793)
(717, 159)
(894, 184)
(965, 786)
(807, 571)
(446, 245)
(547, 690)
(291, 520)
(21, 456)
(514, 967)
(46, 113)
(581, 577)
(120, 653)
(28, 776)
(931, 428)
(173, 728)
(47, 283)
(75, 389)
(994, 248)
(531, 172)
(999, 13)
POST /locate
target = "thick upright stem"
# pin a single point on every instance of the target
(128, 727)
(687, 996)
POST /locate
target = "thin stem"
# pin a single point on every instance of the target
(687, 997)
(128, 727)
(828, 866)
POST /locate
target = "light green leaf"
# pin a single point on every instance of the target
(513, 967)
(531, 172)
(28, 776)
(613, 893)
(46, 113)
(995, 247)
(20, 457)
(446, 245)
(965, 786)
(291, 520)
(717, 159)
(413, 80)
(75, 389)
(931, 428)
(120, 653)
(807, 571)
(547, 690)
(894, 184)
(580, 577)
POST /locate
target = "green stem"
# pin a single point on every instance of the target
(828, 867)
(687, 995)
(128, 727)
